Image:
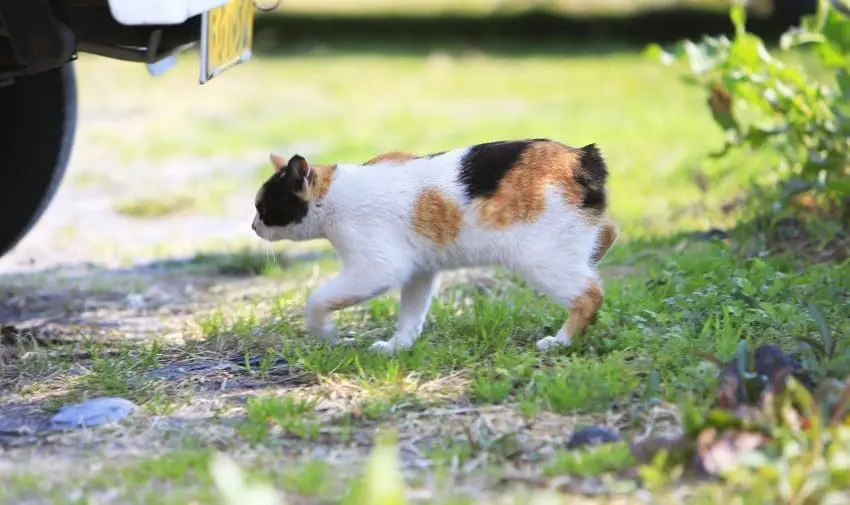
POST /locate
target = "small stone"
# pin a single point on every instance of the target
(135, 301)
(92, 412)
(592, 435)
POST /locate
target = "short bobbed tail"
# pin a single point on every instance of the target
(592, 176)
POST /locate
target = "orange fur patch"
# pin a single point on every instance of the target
(392, 156)
(584, 310)
(350, 301)
(521, 195)
(437, 217)
(607, 237)
(343, 303)
(318, 182)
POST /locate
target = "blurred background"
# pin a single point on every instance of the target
(163, 167)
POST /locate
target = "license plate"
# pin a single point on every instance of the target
(226, 34)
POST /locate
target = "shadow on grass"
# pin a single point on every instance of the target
(61, 298)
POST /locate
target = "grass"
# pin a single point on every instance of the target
(458, 95)
(146, 207)
(476, 409)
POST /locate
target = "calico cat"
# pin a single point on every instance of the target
(536, 207)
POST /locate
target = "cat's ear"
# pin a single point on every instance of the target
(297, 168)
(278, 162)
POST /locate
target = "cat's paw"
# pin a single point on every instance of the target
(325, 332)
(385, 347)
(547, 343)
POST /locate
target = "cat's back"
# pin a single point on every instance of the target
(477, 193)
(395, 180)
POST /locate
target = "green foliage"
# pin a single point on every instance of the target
(763, 102)
(591, 462)
(773, 438)
(828, 355)
(290, 415)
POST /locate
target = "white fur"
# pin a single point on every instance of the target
(367, 216)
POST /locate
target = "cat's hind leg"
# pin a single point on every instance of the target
(416, 296)
(579, 290)
(583, 310)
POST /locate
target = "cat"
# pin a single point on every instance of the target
(537, 207)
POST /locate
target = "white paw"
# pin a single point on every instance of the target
(547, 343)
(386, 347)
(325, 332)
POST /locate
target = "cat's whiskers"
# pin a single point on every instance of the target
(271, 257)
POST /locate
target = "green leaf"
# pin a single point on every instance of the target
(836, 29)
(843, 79)
(742, 358)
(656, 52)
(796, 37)
(816, 345)
(757, 136)
(722, 419)
(748, 51)
(825, 336)
(792, 76)
(653, 386)
(831, 55)
(738, 15)
(839, 186)
(692, 419)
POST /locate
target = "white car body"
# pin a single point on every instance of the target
(159, 12)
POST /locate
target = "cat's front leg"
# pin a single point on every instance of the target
(350, 287)
(416, 296)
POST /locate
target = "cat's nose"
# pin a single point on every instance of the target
(254, 225)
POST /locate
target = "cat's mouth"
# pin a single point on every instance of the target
(259, 228)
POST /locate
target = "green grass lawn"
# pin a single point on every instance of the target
(475, 406)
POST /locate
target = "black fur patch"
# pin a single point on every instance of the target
(485, 165)
(277, 204)
(592, 176)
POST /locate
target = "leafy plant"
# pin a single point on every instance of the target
(769, 434)
(761, 101)
(827, 356)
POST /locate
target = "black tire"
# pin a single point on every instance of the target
(39, 116)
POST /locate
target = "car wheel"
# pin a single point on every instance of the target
(40, 116)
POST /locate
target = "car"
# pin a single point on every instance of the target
(39, 41)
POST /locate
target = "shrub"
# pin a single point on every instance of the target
(763, 102)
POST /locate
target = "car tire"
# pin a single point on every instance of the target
(40, 116)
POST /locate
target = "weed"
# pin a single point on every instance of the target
(591, 462)
(287, 413)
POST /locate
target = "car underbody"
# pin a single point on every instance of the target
(39, 35)
(39, 41)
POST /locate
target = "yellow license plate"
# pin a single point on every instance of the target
(226, 34)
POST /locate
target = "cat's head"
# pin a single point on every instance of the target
(283, 201)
